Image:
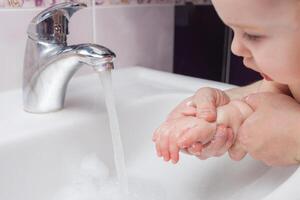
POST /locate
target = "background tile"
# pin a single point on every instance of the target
(138, 35)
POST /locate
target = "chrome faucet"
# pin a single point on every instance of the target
(50, 63)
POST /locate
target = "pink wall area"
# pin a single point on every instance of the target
(139, 35)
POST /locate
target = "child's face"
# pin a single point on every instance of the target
(266, 35)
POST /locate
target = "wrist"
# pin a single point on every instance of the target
(237, 93)
(241, 92)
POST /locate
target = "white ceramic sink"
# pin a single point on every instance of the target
(39, 153)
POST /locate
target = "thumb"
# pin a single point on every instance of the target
(206, 109)
(206, 100)
(237, 151)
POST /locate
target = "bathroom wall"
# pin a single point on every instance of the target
(140, 32)
(199, 42)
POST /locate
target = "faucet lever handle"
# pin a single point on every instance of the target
(51, 25)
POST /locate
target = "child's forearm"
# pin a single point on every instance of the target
(240, 92)
(259, 86)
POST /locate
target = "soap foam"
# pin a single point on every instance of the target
(93, 182)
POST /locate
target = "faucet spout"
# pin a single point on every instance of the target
(99, 57)
(44, 88)
(50, 63)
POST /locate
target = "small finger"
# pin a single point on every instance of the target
(174, 152)
(157, 147)
(236, 151)
(228, 143)
(217, 143)
(173, 148)
(164, 146)
(202, 157)
(195, 149)
(202, 132)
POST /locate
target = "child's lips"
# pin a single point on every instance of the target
(266, 77)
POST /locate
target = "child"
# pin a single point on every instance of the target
(266, 35)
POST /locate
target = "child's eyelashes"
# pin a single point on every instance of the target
(251, 37)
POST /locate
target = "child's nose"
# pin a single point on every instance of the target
(238, 48)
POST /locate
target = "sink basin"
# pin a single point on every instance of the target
(40, 154)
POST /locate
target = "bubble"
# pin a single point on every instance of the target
(93, 182)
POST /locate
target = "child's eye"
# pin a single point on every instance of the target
(251, 37)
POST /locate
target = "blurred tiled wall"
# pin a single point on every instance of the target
(140, 32)
(140, 35)
(45, 3)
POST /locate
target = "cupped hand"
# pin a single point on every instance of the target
(174, 134)
(206, 100)
(272, 133)
(203, 106)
